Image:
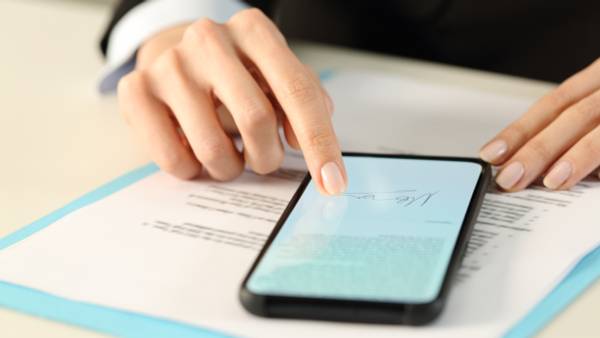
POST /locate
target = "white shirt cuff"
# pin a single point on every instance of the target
(146, 20)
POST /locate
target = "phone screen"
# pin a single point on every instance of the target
(389, 237)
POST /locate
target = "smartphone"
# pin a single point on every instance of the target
(385, 251)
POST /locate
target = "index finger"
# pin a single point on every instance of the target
(298, 93)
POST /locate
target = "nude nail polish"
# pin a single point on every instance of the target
(493, 151)
(558, 175)
(332, 178)
(510, 175)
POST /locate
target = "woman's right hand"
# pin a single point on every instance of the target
(173, 101)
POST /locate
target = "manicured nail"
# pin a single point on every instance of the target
(558, 175)
(510, 175)
(493, 151)
(333, 181)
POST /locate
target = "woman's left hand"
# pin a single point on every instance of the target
(558, 137)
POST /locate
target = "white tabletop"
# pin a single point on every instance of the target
(60, 139)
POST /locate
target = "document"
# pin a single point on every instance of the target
(179, 250)
(385, 113)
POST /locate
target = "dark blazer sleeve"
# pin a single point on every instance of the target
(124, 6)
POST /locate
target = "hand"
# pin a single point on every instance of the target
(185, 75)
(558, 137)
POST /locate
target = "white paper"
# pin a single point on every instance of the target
(179, 250)
(395, 114)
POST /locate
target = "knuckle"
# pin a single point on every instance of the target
(249, 17)
(255, 24)
(212, 151)
(591, 148)
(587, 110)
(301, 89)
(204, 31)
(517, 133)
(256, 116)
(167, 74)
(540, 150)
(561, 96)
(170, 69)
(171, 59)
(321, 140)
(167, 64)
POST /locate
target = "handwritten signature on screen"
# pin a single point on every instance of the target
(405, 198)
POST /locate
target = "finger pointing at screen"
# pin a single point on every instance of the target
(171, 101)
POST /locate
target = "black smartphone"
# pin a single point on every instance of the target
(385, 251)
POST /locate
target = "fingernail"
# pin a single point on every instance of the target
(333, 181)
(493, 151)
(558, 175)
(510, 175)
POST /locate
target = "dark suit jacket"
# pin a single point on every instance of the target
(542, 39)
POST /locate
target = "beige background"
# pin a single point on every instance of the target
(60, 139)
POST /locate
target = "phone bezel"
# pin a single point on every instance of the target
(361, 310)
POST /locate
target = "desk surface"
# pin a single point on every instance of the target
(60, 139)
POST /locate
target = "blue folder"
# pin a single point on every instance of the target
(133, 325)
